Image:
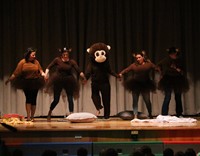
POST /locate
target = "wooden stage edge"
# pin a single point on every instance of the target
(112, 130)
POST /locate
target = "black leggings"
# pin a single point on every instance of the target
(57, 92)
(104, 89)
(31, 95)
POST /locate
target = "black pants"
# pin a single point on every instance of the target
(31, 95)
(57, 91)
(165, 106)
(104, 89)
(146, 98)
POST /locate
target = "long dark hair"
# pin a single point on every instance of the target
(143, 54)
(28, 52)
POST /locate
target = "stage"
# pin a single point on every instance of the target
(113, 130)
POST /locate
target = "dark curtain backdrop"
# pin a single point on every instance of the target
(126, 25)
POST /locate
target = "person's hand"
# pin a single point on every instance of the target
(46, 77)
(12, 77)
(8, 80)
(83, 78)
(178, 70)
(173, 66)
(82, 75)
(46, 74)
(120, 77)
(43, 74)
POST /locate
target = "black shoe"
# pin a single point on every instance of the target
(106, 117)
(150, 117)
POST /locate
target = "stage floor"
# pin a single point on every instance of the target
(113, 123)
(101, 130)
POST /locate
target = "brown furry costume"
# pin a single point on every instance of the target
(99, 70)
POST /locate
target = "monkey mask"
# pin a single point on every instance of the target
(99, 52)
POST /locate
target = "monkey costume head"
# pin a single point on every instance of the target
(99, 52)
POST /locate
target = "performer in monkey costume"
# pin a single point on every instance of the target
(99, 70)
